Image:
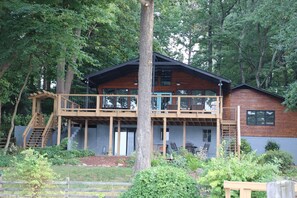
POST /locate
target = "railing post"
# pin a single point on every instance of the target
(245, 193)
(59, 104)
(178, 105)
(97, 105)
(281, 189)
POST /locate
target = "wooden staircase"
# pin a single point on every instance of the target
(229, 135)
(40, 133)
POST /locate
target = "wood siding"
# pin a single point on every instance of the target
(187, 81)
(249, 99)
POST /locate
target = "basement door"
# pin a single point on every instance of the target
(127, 143)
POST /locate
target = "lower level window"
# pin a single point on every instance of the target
(260, 117)
(206, 135)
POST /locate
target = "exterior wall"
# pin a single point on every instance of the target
(98, 138)
(286, 144)
(249, 99)
(194, 134)
(187, 81)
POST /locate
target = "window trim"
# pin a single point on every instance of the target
(265, 118)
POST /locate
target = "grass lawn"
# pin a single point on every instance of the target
(93, 173)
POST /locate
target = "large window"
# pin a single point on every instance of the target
(260, 117)
(115, 102)
(164, 77)
(206, 135)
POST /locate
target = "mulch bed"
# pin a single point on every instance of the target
(105, 161)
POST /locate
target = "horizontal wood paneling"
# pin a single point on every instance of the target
(186, 80)
(248, 99)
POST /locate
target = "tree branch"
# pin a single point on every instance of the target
(144, 2)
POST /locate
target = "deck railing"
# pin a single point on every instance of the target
(178, 104)
(31, 124)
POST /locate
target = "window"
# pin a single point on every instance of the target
(115, 102)
(167, 134)
(260, 117)
(162, 76)
(206, 135)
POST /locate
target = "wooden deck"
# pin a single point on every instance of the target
(125, 106)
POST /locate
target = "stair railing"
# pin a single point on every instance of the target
(47, 130)
(28, 129)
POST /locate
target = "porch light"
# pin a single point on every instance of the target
(177, 83)
(135, 82)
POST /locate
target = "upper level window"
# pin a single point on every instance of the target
(260, 117)
(162, 78)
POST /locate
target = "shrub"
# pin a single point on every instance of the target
(245, 146)
(281, 158)
(231, 168)
(162, 181)
(57, 155)
(271, 146)
(34, 169)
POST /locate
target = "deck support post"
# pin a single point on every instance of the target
(238, 131)
(59, 130)
(69, 129)
(184, 134)
(152, 138)
(33, 106)
(119, 138)
(218, 137)
(110, 136)
(86, 135)
(164, 136)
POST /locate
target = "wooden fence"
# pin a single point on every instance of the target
(279, 189)
(69, 189)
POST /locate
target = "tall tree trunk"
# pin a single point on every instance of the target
(240, 58)
(210, 46)
(4, 68)
(60, 76)
(143, 136)
(17, 104)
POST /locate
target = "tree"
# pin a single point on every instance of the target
(145, 85)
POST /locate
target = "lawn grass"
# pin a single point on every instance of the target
(93, 173)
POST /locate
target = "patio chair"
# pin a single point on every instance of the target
(205, 148)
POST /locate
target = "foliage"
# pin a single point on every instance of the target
(280, 158)
(58, 155)
(291, 97)
(247, 168)
(272, 146)
(245, 146)
(162, 181)
(131, 159)
(34, 169)
(183, 159)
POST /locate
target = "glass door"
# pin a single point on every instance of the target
(161, 100)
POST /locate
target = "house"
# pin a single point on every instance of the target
(263, 118)
(191, 108)
(188, 109)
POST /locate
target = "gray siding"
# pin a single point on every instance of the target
(286, 144)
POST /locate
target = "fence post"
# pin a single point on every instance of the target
(68, 186)
(1, 182)
(281, 189)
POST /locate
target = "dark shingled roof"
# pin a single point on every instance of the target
(160, 62)
(245, 86)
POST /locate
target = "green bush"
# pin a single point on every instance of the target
(57, 155)
(162, 181)
(248, 168)
(245, 146)
(193, 162)
(271, 146)
(281, 158)
(34, 169)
